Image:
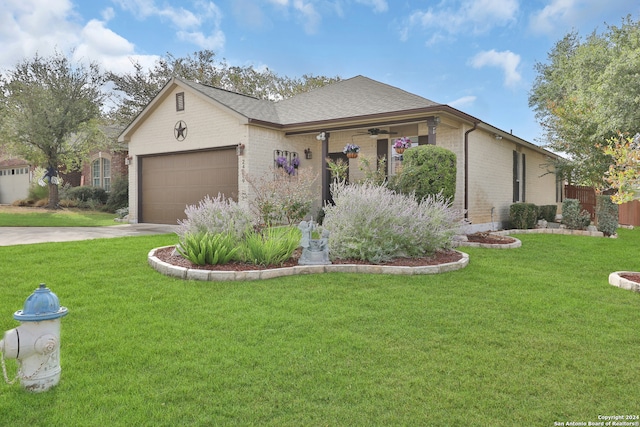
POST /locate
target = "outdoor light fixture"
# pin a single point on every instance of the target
(433, 123)
(321, 136)
(496, 136)
(240, 149)
(308, 154)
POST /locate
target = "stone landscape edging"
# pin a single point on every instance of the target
(215, 275)
(511, 245)
(616, 280)
(566, 231)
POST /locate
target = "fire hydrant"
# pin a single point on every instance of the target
(36, 342)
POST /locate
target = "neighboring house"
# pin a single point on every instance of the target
(193, 140)
(15, 176)
(103, 167)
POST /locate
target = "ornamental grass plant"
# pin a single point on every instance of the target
(270, 246)
(530, 337)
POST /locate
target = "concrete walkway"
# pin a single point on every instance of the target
(10, 236)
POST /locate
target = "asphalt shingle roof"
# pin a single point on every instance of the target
(357, 96)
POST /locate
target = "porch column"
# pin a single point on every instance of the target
(432, 124)
(325, 175)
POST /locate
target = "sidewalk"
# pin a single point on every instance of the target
(10, 236)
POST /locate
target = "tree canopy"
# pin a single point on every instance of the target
(49, 113)
(587, 92)
(138, 88)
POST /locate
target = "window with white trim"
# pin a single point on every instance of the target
(101, 173)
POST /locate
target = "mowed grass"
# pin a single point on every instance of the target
(40, 217)
(530, 336)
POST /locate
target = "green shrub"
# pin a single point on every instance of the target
(606, 215)
(573, 216)
(118, 196)
(37, 192)
(88, 194)
(270, 246)
(523, 215)
(427, 170)
(376, 224)
(547, 212)
(208, 249)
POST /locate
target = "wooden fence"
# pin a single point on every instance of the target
(585, 195)
(628, 213)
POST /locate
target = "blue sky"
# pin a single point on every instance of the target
(475, 55)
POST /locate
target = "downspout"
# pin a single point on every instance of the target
(466, 169)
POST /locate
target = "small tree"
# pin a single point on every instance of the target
(50, 114)
(624, 172)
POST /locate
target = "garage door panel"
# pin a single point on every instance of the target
(170, 182)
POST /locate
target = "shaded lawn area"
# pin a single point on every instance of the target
(39, 217)
(529, 336)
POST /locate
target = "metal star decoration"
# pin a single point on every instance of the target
(180, 130)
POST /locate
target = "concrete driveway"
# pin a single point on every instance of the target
(10, 236)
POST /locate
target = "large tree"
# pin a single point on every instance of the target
(49, 114)
(587, 92)
(138, 88)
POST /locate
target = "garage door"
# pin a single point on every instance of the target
(14, 184)
(168, 183)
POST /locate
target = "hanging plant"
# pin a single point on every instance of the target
(402, 144)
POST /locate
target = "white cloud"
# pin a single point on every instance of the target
(115, 53)
(309, 14)
(557, 12)
(476, 16)
(463, 102)
(188, 23)
(558, 15)
(506, 60)
(378, 5)
(35, 26)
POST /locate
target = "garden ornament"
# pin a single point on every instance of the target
(314, 251)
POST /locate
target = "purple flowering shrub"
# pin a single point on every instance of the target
(214, 216)
(376, 224)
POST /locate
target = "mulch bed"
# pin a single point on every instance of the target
(634, 277)
(488, 238)
(166, 255)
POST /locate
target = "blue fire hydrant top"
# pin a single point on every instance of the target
(42, 304)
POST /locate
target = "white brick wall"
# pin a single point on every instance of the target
(207, 127)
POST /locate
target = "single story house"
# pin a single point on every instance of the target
(193, 140)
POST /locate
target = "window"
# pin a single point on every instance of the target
(101, 173)
(180, 101)
(519, 177)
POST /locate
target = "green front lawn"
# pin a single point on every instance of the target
(34, 217)
(529, 336)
